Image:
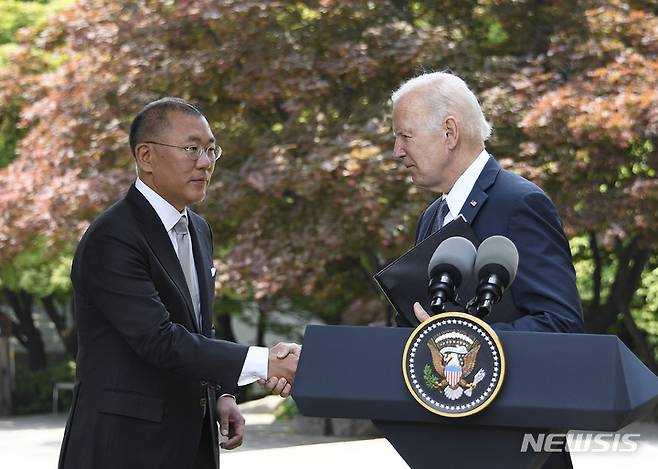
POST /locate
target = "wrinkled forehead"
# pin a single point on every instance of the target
(190, 127)
(409, 111)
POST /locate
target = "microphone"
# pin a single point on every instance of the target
(495, 265)
(451, 263)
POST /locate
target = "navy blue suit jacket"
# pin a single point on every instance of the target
(544, 291)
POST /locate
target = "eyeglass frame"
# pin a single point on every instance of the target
(188, 150)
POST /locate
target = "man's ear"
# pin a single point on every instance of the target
(451, 132)
(144, 155)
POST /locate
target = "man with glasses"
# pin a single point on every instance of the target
(148, 367)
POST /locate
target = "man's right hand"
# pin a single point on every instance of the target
(281, 368)
(420, 312)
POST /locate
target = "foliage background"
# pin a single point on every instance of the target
(308, 202)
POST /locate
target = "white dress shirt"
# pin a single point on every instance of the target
(463, 187)
(255, 364)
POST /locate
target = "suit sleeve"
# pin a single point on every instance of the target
(116, 275)
(545, 284)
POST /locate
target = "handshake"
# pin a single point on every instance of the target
(281, 368)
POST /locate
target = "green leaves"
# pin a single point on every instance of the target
(431, 380)
(586, 113)
(38, 270)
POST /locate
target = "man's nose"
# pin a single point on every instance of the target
(398, 148)
(204, 161)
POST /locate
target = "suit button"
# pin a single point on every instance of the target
(202, 402)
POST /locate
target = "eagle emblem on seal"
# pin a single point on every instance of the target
(454, 355)
(453, 364)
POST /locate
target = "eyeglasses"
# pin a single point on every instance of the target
(195, 152)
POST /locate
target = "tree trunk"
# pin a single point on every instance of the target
(225, 328)
(639, 338)
(596, 275)
(5, 366)
(631, 261)
(261, 326)
(66, 334)
(25, 331)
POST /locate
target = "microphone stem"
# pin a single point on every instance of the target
(490, 292)
(442, 291)
(484, 308)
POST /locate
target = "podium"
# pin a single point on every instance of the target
(554, 383)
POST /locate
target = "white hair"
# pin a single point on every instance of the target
(447, 94)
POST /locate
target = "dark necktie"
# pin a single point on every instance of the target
(441, 212)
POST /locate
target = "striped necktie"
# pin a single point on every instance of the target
(441, 212)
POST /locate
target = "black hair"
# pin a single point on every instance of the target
(152, 118)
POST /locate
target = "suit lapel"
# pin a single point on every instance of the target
(478, 195)
(202, 264)
(158, 238)
(474, 202)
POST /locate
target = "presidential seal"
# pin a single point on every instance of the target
(453, 364)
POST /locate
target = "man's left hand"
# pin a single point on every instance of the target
(231, 422)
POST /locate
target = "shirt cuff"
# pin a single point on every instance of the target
(255, 365)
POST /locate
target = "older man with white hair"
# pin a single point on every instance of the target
(440, 131)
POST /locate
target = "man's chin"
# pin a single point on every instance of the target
(417, 179)
(421, 184)
(196, 198)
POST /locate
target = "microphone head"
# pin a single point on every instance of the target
(456, 255)
(497, 251)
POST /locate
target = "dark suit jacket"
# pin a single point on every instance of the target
(141, 362)
(543, 296)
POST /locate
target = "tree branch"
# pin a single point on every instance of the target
(283, 114)
(66, 334)
(596, 275)
(640, 340)
(212, 34)
(639, 261)
(623, 291)
(16, 330)
(624, 255)
(55, 316)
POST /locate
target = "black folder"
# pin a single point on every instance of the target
(405, 280)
